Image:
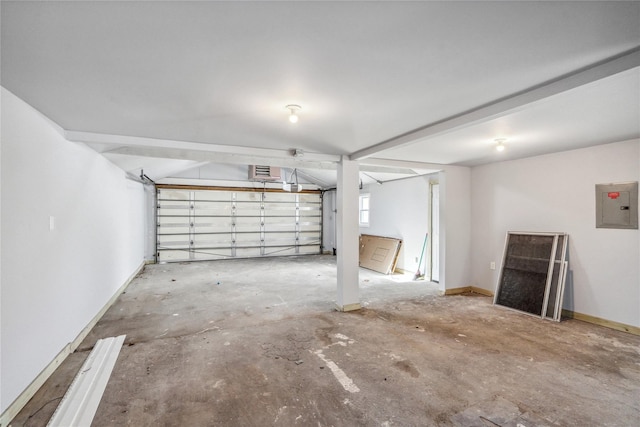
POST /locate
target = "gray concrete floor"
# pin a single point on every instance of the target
(258, 343)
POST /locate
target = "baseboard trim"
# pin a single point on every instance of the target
(601, 322)
(349, 307)
(482, 291)
(465, 289)
(20, 402)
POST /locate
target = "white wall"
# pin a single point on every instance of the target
(557, 193)
(400, 209)
(55, 282)
(225, 172)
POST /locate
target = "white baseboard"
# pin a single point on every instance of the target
(21, 401)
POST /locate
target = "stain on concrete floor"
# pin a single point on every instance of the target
(257, 343)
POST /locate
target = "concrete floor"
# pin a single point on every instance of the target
(257, 343)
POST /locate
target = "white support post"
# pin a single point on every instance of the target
(348, 228)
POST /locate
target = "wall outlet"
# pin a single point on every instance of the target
(492, 265)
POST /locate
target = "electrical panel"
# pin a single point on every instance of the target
(617, 205)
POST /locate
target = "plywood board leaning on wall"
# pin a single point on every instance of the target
(379, 253)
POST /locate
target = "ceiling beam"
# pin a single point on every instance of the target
(391, 163)
(180, 153)
(240, 159)
(107, 140)
(509, 104)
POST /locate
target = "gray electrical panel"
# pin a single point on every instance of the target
(617, 205)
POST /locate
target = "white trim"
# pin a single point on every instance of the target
(20, 402)
(80, 402)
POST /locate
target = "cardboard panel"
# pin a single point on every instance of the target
(379, 253)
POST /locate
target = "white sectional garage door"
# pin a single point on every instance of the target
(208, 224)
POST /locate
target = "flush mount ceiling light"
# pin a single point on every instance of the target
(293, 109)
(500, 146)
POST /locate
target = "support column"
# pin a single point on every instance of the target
(348, 232)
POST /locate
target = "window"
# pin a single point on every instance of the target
(364, 210)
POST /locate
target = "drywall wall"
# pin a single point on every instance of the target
(225, 172)
(400, 209)
(72, 233)
(556, 192)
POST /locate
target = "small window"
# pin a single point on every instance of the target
(364, 210)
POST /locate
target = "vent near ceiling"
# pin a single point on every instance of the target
(264, 173)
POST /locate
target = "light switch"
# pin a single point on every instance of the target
(52, 223)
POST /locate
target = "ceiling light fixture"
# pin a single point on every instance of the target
(293, 108)
(500, 146)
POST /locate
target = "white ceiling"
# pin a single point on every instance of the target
(431, 82)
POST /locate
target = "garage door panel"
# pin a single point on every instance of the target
(246, 196)
(215, 224)
(310, 212)
(212, 210)
(310, 234)
(252, 238)
(280, 209)
(282, 239)
(212, 229)
(212, 196)
(247, 204)
(175, 212)
(173, 194)
(172, 239)
(276, 251)
(174, 255)
(248, 224)
(309, 198)
(208, 254)
(309, 250)
(278, 228)
(169, 229)
(310, 227)
(212, 240)
(248, 253)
